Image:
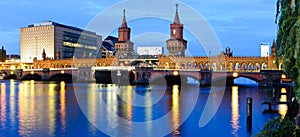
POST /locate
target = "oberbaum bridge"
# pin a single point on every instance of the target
(173, 68)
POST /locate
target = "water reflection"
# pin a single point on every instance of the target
(235, 109)
(30, 108)
(63, 104)
(175, 109)
(283, 98)
(3, 103)
(51, 108)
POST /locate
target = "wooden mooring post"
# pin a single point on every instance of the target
(249, 114)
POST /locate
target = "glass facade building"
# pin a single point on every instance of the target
(54, 37)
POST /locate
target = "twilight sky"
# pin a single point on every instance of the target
(239, 24)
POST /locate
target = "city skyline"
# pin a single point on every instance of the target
(242, 31)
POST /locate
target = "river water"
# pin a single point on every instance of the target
(32, 108)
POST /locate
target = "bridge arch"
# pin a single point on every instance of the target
(230, 77)
(176, 80)
(62, 77)
(32, 77)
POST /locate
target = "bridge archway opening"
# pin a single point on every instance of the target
(207, 66)
(11, 76)
(189, 65)
(201, 66)
(214, 66)
(244, 66)
(257, 66)
(264, 66)
(230, 66)
(251, 66)
(195, 65)
(280, 66)
(245, 81)
(35, 77)
(237, 66)
(62, 77)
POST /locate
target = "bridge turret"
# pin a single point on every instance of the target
(44, 54)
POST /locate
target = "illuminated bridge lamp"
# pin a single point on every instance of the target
(283, 76)
(175, 73)
(11, 72)
(31, 72)
(62, 71)
(235, 74)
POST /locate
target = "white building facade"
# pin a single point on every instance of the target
(264, 49)
(150, 50)
(54, 37)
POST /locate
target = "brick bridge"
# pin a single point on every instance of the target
(262, 77)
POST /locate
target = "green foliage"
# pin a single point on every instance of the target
(288, 39)
(279, 127)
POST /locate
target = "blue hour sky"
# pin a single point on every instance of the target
(239, 24)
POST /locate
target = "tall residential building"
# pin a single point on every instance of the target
(124, 47)
(56, 38)
(176, 45)
(264, 49)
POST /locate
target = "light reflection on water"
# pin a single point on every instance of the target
(31, 108)
(283, 97)
(235, 109)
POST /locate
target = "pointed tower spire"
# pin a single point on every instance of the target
(44, 54)
(176, 19)
(273, 48)
(124, 22)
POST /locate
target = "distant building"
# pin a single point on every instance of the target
(57, 39)
(108, 47)
(13, 57)
(2, 54)
(264, 49)
(228, 52)
(150, 50)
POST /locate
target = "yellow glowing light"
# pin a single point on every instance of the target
(175, 108)
(235, 109)
(283, 90)
(283, 76)
(31, 72)
(62, 72)
(283, 108)
(235, 74)
(11, 72)
(12, 67)
(175, 73)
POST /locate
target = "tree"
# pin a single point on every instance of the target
(288, 39)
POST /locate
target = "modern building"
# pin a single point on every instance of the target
(55, 38)
(150, 50)
(2, 54)
(176, 45)
(124, 47)
(108, 47)
(264, 49)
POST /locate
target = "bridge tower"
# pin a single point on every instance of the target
(124, 47)
(44, 54)
(176, 45)
(273, 49)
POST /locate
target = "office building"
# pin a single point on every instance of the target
(56, 38)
